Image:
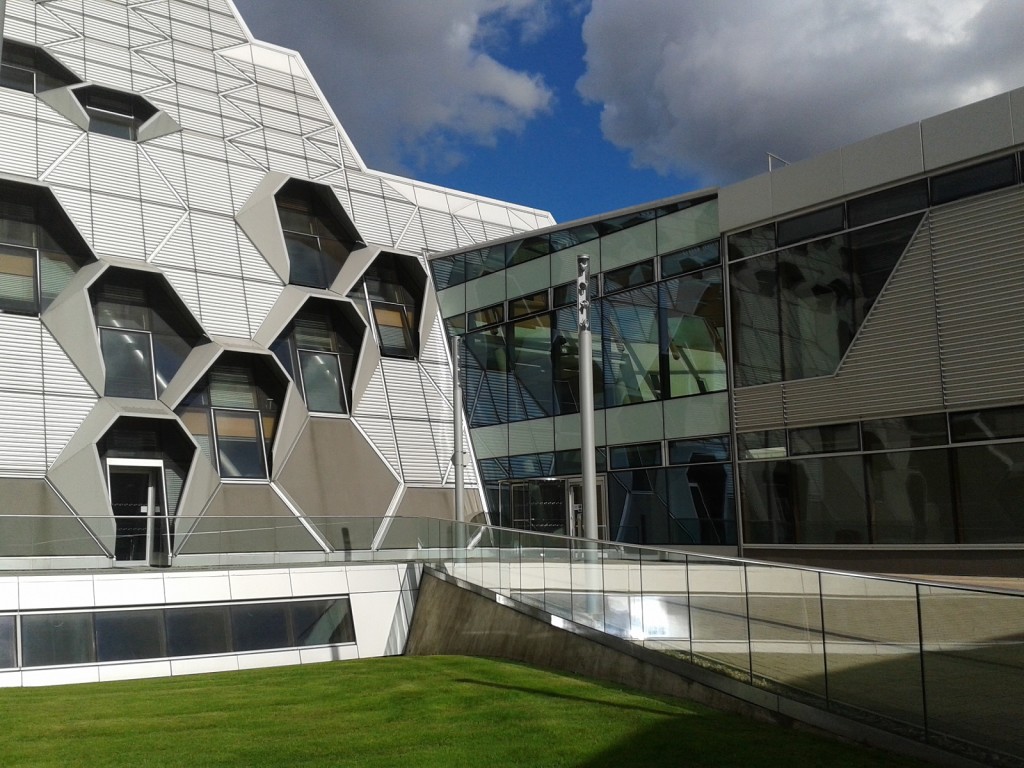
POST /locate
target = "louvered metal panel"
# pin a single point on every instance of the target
(17, 104)
(64, 415)
(254, 266)
(156, 16)
(374, 402)
(175, 251)
(438, 400)
(215, 242)
(195, 69)
(412, 239)
(759, 407)
(494, 231)
(311, 111)
(399, 216)
(327, 142)
(77, 204)
(283, 118)
(159, 224)
(222, 300)
(53, 141)
(60, 376)
(473, 228)
(117, 226)
(405, 391)
(978, 248)
(201, 114)
(21, 354)
(420, 464)
(208, 184)
(364, 182)
(18, 139)
(169, 162)
(259, 298)
(228, 76)
(435, 347)
(184, 284)
(381, 435)
(224, 23)
(99, 71)
(439, 230)
(348, 155)
(367, 215)
(114, 165)
(253, 146)
(23, 439)
(892, 366)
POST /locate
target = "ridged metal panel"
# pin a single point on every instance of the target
(98, 70)
(978, 248)
(200, 111)
(444, 444)
(254, 266)
(23, 439)
(438, 399)
(114, 166)
(18, 139)
(54, 140)
(311, 112)
(253, 146)
(64, 415)
(208, 184)
(165, 154)
(176, 251)
(223, 21)
(417, 451)
(494, 231)
(17, 103)
(195, 69)
(21, 354)
(77, 204)
(892, 367)
(272, 79)
(435, 347)
(327, 142)
(259, 298)
(399, 214)
(364, 182)
(117, 226)
(184, 284)
(60, 376)
(759, 407)
(381, 434)
(439, 230)
(367, 215)
(412, 239)
(348, 155)
(215, 241)
(154, 186)
(374, 402)
(222, 300)
(473, 228)
(405, 390)
(158, 223)
(281, 116)
(318, 167)
(291, 161)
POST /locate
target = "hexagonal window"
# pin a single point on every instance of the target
(114, 113)
(31, 69)
(320, 350)
(317, 232)
(145, 463)
(232, 413)
(394, 286)
(40, 249)
(145, 331)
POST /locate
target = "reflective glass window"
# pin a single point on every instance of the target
(531, 465)
(638, 508)
(905, 432)
(911, 497)
(756, 328)
(990, 486)
(701, 504)
(258, 627)
(521, 251)
(197, 630)
(752, 241)
(693, 334)
(874, 253)
(18, 280)
(637, 455)
(770, 444)
(888, 203)
(395, 329)
(769, 516)
(565, 359)
(631, 347)
(239, 444)
(699, 451)
(835, 438)
(992, 424)
(125, 635)
(811, 225)
(128, 358)
(528, 305)
(532, 392)
(322, 382)
(690, 259)
(983, 177)
(629, 277)
(485, 376)
(565, 294)
(8, 643)
(317, 622)
(306, 262)
(481, 318)
(17, 78)
(57, 638)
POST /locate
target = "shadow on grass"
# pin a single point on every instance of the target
(568, 697)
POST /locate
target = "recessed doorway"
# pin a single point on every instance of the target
(142, 532)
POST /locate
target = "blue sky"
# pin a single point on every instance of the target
(580, 107)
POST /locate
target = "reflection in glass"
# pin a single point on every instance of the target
(693, 346)
(756, 330)
(197, 630)
(8, 643)
(485, 377)
(317, 622)
(910, 496)
(531, 387)
(638, 509)
(18, 279)
(990, 486)
(57, 638)
(834, 438)
(321, 381)
(632, 359)
(125, 635)
(239, 444)
(128, 356)
(258, 627)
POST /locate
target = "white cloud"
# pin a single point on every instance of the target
(427, 68)
(707, 87)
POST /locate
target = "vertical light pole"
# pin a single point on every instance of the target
(587, 448)
(458, 457)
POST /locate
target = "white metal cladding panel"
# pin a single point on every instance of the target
(208, 184)
(892, 367)
(420, 463)
(60, 374)
(759, 407)
(169, 161)
(318, 166)
(234, 120)
(155, 187)
(245, 101)
(276, 91)
(364, 182)
(368, 216)
(18, 139)
(215, 242)
(114, 166)
(435, 347)
(195, 69)
(17, 103)
(117, 226)
(157, 16)
(440, 378)
(494, 231)
(64, 415)
(176, 251)
(228, 76)
(399, 215)
(99, 71)
(253, 146)
(223, 21)
(327, 142)
(439, 230)
(77, 204)
(54, 140)
(146, 77)
(348, 155)
(412, 238)
(312, 113)
(259, 298)
(273, 80)
(290, 161)
(223, 305)
(474, 231)
(21, 354)
(444, 442)
(382, 435)
(72, 168)
(439, 407)
(184, 284)
(978, 248)
(254, 266)
(405, 390)
(374, 402)
(23, 439)
(200, 111)
(284, 119)
(158, 224)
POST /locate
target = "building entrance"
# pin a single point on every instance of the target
(142, 533)
(551, 505)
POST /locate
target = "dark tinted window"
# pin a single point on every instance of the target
(195, 631)
(752, 241)
(888, 203)
(810, 225)
(974, 180)
(830, 439)
(639, 455)
(57, 638)
(689, 259)
(123, 635)
(987, 425)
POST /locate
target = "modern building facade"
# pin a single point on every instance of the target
(819, 364)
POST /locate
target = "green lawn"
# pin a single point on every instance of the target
(396, 712)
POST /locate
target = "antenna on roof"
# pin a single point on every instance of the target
(777, 159)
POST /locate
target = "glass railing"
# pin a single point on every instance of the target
(941, 663)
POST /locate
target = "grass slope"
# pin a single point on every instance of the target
(439, 711)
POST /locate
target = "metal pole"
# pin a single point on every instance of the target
(458, 456)
(588, 450)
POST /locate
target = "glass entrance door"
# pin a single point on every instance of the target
(142, 534)
(574, 506)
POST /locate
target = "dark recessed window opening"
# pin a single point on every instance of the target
(317, 233)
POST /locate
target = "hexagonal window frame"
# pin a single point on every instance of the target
(31, 69)
(394, 288)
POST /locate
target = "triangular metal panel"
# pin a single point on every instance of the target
(413, 238)
(474, 231)
(61, 374)
(64, 416)
(381, 435)
(175, 251)
(366, 213)
(154, 186)
(78, 478)
(198, 362)
(21, 354)
(184, 284)
(222, 306)
(439, 230)
(290, 423)
(22, 440)
(420, 464)
(369, 364)
(54, 140)
(159, 226)
(374, 400)
(215, 244)
(117, 226)
(166, 154)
